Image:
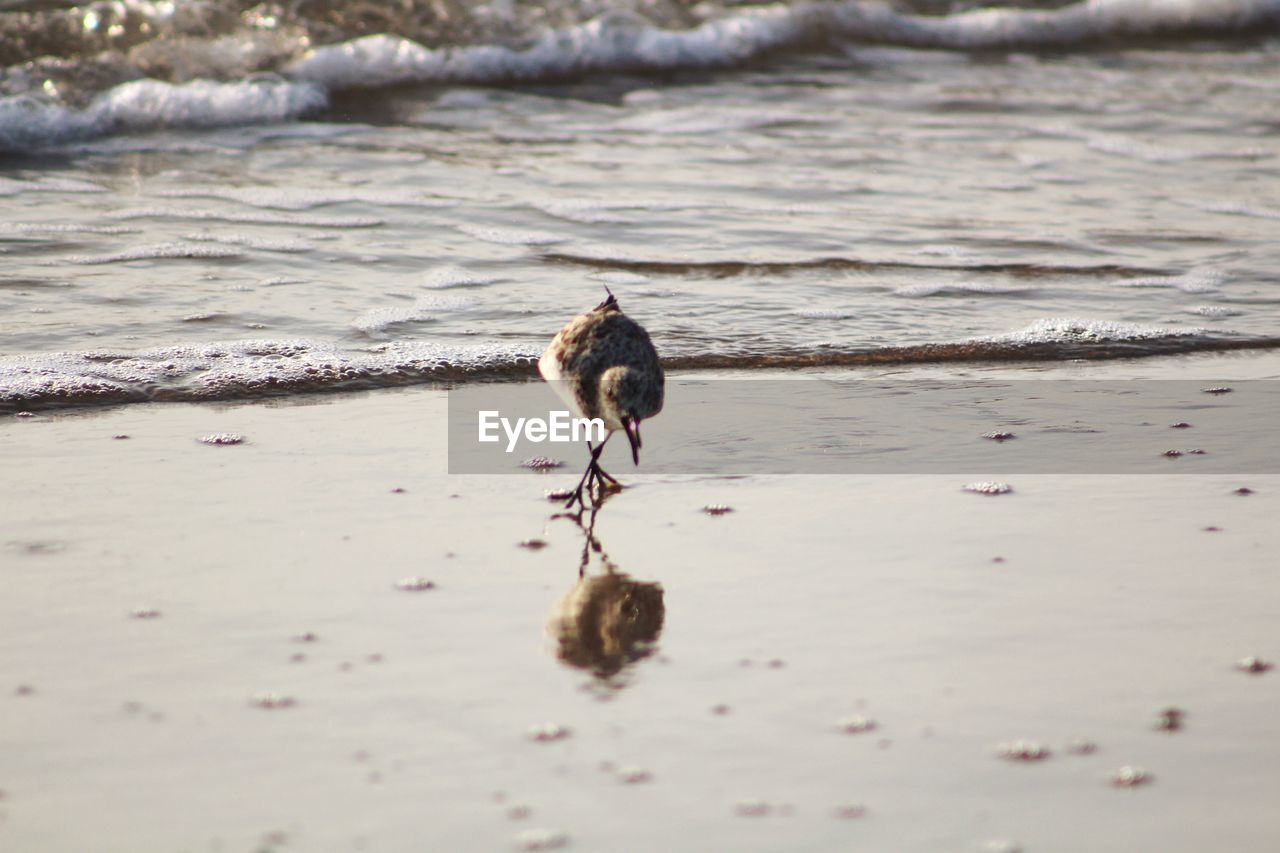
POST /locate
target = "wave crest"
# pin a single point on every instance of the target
(247, 369)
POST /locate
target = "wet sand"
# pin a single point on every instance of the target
(209, 648)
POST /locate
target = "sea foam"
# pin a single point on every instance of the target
(27, 122)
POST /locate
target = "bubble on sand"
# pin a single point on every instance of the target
(25, 415)
(120, 437)
(1130, 777)
(989, 488)
(272, 701)
(558, 494)
(1243, 491)
(548, 732)
(398, 490)
(144, 613)
(1169, 720)
(1212, 529)
(999, 436)
(717, 509)
(855, 724)
(1253, 665)
(533, 544)
(849, 811)
(542, 839)
(1023, 750)
(541, 463)
(1220, 389)
(1180, 425)
(415, 584)
(223, 439)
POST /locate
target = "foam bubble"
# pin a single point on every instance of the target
(1215, 311)
(62, 228)
(141, 105)
(623, 42)
(238, 369)
(453, 276)
(157, 251)
(1232, 208)
(12, 186)
(424, 309)
(250, 242)
(1194, 281)
(1057, 330)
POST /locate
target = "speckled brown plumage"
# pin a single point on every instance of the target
(605, 366)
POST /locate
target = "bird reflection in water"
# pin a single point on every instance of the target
(607, 621)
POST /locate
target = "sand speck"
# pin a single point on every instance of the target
(415, 584)
(223, 439)
(989, 488)
(855, 724)
(548, 732)
(1023, 750)
(1170, 720)
(1130, 777)
(1253, 665)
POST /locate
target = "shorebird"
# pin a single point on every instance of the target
(604, 366)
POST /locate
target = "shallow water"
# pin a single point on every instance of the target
(821, 207)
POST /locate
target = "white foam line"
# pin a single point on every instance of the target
(619, 42)
(1053, 330)
(158, 251)
(27, 122)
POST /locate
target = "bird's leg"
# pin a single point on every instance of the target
(587, 476)
(602, 475)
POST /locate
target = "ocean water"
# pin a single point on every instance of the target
(212, 201)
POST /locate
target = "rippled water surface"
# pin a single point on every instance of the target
(819, 207)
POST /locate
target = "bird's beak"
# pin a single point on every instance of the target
(632, 429)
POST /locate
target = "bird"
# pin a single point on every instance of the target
(603, 364)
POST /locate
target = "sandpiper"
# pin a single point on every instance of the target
(604, 365)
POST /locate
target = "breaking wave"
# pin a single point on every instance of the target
(79, 72)
(249, 369)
